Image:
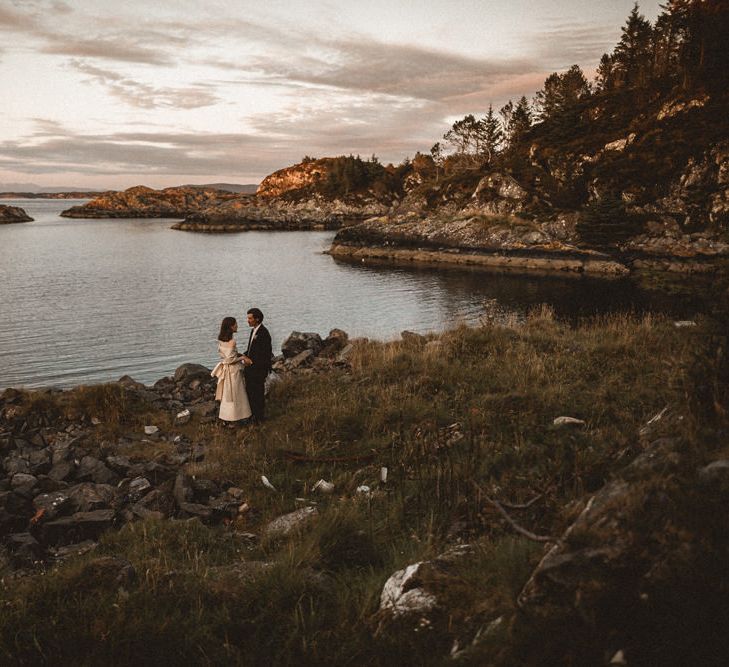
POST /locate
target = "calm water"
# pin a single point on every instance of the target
(85, 301)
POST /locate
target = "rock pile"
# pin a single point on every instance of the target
(62, 486)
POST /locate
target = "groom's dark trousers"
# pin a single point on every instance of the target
(259, 350)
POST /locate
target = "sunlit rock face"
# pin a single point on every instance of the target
(143, 202)
(297, 177)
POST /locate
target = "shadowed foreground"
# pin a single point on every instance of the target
(626, 516)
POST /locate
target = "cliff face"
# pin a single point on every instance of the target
(300, 176)
(10, 214)
(144, 202)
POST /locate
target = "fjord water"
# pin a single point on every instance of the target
(86, 301)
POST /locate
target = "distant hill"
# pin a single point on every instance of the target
(34, 188)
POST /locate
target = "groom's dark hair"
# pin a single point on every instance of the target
(256, 313)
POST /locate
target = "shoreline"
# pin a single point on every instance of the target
(528, 260)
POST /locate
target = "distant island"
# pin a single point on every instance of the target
(11, 214)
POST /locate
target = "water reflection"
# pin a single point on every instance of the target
(91, 300)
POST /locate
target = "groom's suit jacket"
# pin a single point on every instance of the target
(260, 352)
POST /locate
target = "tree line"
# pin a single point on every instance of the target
(684, 49)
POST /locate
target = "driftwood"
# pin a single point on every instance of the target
(519, 529)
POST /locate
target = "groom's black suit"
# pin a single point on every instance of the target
(260, 353)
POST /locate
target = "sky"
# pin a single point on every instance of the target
(116, 93)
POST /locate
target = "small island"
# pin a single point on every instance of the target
(143, 202)
(12, 214)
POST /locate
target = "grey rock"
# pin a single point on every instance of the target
(196, 510)
(53, 504)
(402, 595)
(24, 548)
(289, 523)
(39, 461)
(568, 422)
(190, 372)
(204, 409)
(297, 342)
(130, 383)
(301, 359)
(15, 464)
(123, 466)
(23, 484)
(93, 470)
(62, 471)
(413, 337)
(77, 527)
(138, 487)
(182, 491)
(67, 551)
(87, 496)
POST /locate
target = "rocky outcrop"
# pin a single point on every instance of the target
(11, 214)
(473, 239)
(629, 566)
(300, 176)
(144, 202)
(314, 212)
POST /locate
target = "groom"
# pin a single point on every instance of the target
(257, 360)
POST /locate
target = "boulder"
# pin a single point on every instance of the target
(499, 185)
(288, 523)
(77, 527)
(301, 359)
(87, 496)
(23, 484)
(297, 342)
(24, 549)
(402, 595)
(413, 337)
(53, 504)
(92, 470)
(190, 372)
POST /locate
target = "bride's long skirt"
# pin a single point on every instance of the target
(231, 392)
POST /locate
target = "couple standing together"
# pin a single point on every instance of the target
(242, 377)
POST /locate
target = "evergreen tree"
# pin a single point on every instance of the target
(605, 79)
(561, 92)
(493, 136)
(632, 55)
(517, 120)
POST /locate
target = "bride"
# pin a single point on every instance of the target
(231, 390)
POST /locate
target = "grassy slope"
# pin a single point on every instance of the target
(318, 603)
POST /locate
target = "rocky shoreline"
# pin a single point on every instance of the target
(65, 484)
(473, 238)
(257, 213)
(12, 214)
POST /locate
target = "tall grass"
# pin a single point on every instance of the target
(465, 414)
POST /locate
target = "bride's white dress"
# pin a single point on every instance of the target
(231, 390)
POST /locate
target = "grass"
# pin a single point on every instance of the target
(472, 409)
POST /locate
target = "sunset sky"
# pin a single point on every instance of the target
(112, 94)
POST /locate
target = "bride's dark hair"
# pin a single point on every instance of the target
(226, 329)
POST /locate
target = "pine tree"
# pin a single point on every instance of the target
(517, 120)
(561, 92)
(605, 79)
(493, 137)
(632, 55)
